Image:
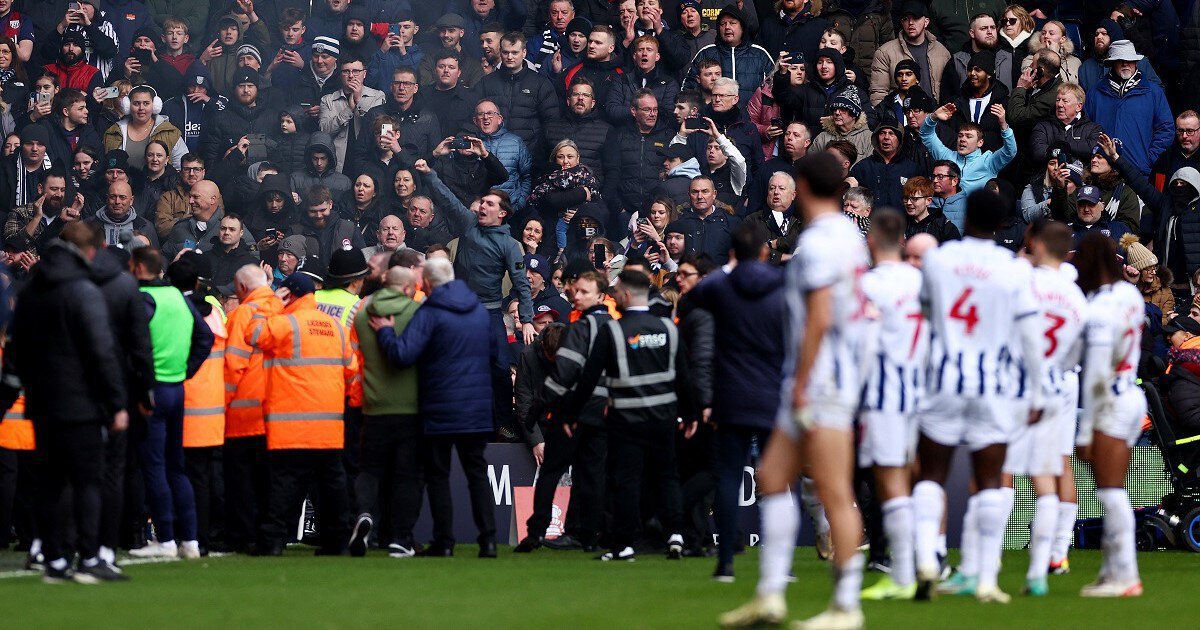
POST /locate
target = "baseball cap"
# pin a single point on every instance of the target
(1182, 323)
(545, 309)
(676, 152)
(1089, 194)
(914, 8)
(298, 284)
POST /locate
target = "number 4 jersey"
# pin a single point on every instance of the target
(974, 293)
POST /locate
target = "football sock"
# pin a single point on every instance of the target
(780, 523)
(898, 525)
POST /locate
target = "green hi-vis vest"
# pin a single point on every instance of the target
(338, 304)
(170, 333)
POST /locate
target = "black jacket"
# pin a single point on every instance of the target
(603, 75)
(59, 148)
(420, 131)
(527, 100)
(227, 125)
(130, 325)
(454, 107)
(530, 411)
(1181, 393)
(468, 176)
(631, 165)
(225, 264)
(935, 223)
(62, 343)
(886, 179)
(620, 94)
(712, 235)
(699, 330)
(576, 346)
(992, 133)
(589, 131)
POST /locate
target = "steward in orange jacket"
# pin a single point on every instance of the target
(311, 376)
(245, 450)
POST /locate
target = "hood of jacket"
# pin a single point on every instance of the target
(454, 296)
(103, 217)
(62, 262)
(689, 169)
(839, 65)
(319, 141)
(1190, 175)
(860, 126)
(501, 132)
(753, 279)
(105, 266)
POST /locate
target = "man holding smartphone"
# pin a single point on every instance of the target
(396, 49)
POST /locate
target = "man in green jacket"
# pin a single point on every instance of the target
(391, 434)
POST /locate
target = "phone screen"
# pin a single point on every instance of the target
(598, 255)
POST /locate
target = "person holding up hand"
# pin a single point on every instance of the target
(977, 166)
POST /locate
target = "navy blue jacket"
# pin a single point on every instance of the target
(450, 337)
(750, 312)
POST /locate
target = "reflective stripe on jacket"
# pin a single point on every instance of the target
(204, 393)
(245, 380)
(16, 432)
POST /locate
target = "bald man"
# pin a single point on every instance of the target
(916, 246)
(201, 230)
(389, 235)
(119, 219)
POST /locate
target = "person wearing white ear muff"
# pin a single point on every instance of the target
(143, 125)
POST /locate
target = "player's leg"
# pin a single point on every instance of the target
(1110, 461)
(887, 446)
(1045, 523)
(991, 517)
(781, 464)
(929, 505)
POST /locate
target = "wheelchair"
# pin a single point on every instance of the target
(1178, 516)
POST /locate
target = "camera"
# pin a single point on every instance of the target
(459, 142)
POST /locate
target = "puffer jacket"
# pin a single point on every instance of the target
(602, 74)
(890, 54)
(809, 101)
(527, 100)
(163, 130)
(1177, 240)
(517, 160)
(802, 33)
(632, 164)
(232, 122)
(860, 136)
(302, 180)
(955, 76)
(589, 132)
(679, 47)
(1081, 137)
(867, 31)
(1136, 113)
(748, 64)
(620, 96)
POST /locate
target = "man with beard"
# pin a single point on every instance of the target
(1092, 69)
(489, 43)
(979, 91)
(1131, 108)
(99, 36)
(984, 36)
(1181, 154)
(647, 74)
(916, 43)
(246, 115)
(450, 29)
(601, 65)
(453, 101)
(323, 232)
(419, 126)
(70, 68)
(583, 124)
(69, 129)
(119, 220)
(34, 220)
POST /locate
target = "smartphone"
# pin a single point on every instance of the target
(142, 55)
(305, 105)
(112, 92)
(598, 255)
(393, 29)
(272, 233)
(43, 97)
(386, 129)
(777, 122)
(695, 122)
(643, 221)
(459, 142)
(74, 6)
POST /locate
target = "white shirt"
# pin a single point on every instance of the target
(1063, 309)
(894, 373)
(1113, 336)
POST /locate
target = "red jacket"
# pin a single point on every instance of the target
(78, 76)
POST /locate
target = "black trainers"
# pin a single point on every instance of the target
(57, 576)
(527, 545)
(566, 542)
(35, 562)
(358, 538)
(100, 572)
(723, 573)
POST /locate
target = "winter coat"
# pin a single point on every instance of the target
(118, 134)
(1181, 392)
(885, 179)
(1138, 115)
(978, 166)
(589, 132)
(226, 263)
(860, 136)
(1177, 239)
(386, 389)
(761, 109)
(934, 223)
(749, 308)
(80, 75)
(306, 89)
(302, 180)
(809, 101)
(289, 151)
(450, 337)
(323, 241)
(954, 207)
(620, 96)
(383, 64)
(955, 77)
(527, 100)
(950, 19)
(472, 71)
(187, 233)
(992, 135)
(712, 235)
(62, 347)
(1081, 137)
(529, 409)
(884, 64)
(420, 128)
(517, 160)
(1112, 229)
(59, 148)
(1068, 71)
(229, 124)
(748, 64)
(337, 117)
(192, 118)
(679, 47)
(736, 126)
(131, 223)
(678, 184)
(802, 33)
(454, 108)
(602, 74)
(631, 166)
(867, 31)
(130, 324)
(1093, 70)
(469, 176)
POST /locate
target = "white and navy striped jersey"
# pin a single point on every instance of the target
(1063, 311)
(831, 253)
(974, 292)
(1113, 334)
(894, 372)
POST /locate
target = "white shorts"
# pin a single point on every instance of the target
(826, 408)
(889, 438)
(952, 420)
(1036, 449)
(1121, 418)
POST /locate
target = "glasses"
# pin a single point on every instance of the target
(405, 84)
(721, 96)
(646, 110)
(192, 169)
(486, 115)
(1009, 21)
(581, 95)
(353, 72)
(913, 199)
(1186, 132)
(686, 274)
(940, 176)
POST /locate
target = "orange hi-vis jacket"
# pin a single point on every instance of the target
(204, 393)
(311, 372)
(245, 379)
(16, 432)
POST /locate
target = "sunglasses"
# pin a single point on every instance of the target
(1009, 21)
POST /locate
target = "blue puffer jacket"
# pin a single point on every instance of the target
(515, 157)
(450, 337)
(748, 64)
(748, 304)
(1140, 118)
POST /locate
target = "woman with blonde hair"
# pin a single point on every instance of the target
(568, 185)
(1053, 36)
(1016, 31)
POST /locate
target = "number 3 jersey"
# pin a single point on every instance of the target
(974, 293)
(895, 369)
(1063, 311)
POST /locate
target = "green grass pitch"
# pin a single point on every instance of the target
(548, 589)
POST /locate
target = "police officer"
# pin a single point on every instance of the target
(343, 285)
(640, 358)
(585, 445)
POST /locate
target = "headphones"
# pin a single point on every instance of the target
(157, 102)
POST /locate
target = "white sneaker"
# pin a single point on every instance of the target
(156, 550)
(992, 595)
(763, 610)
(396, 550)
(833, 619)
(1112, 588)
(675, 547)
(189, 550)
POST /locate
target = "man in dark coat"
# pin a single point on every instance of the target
(244, 115)
(450, 337)
(582, 123)
(631, 162)
(886, 170)
(527, 99)
(710, 227)
(64, 354)
(749, 310)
